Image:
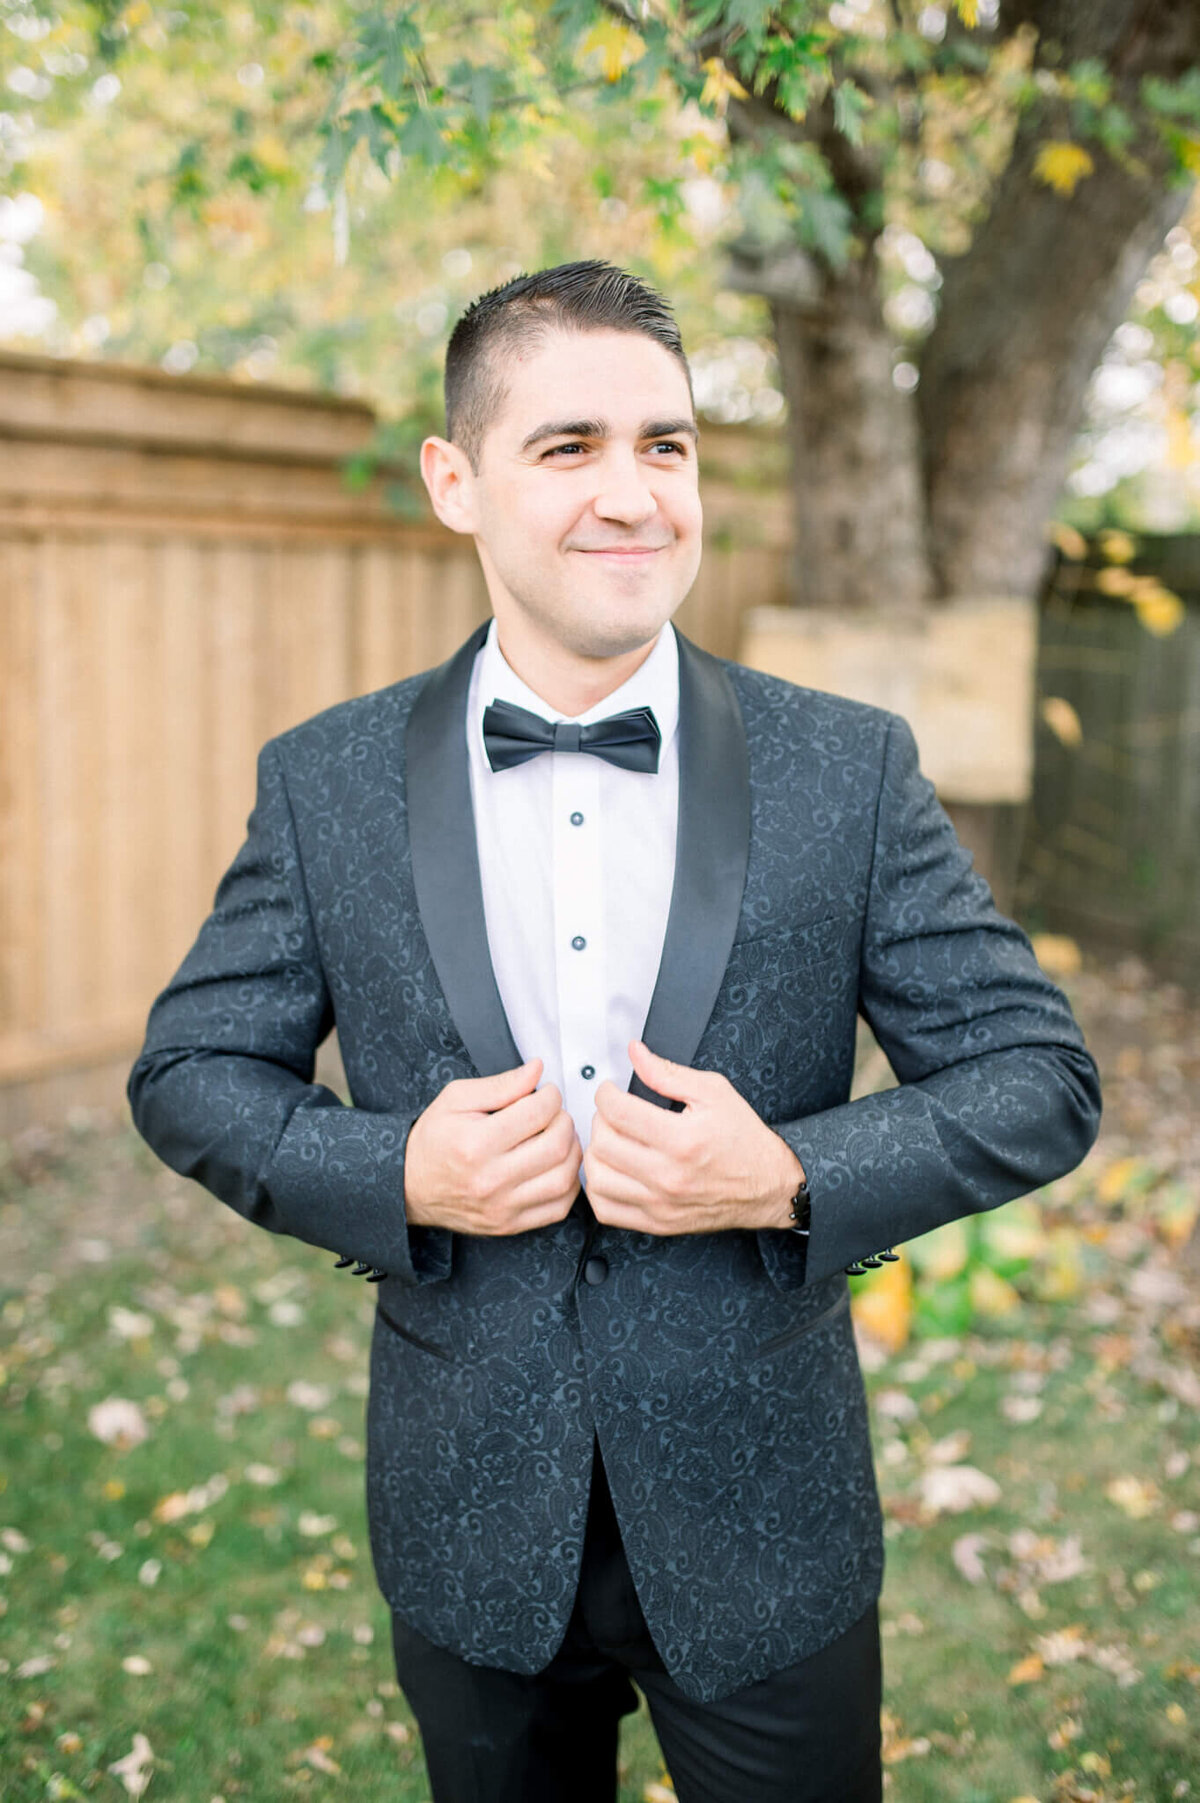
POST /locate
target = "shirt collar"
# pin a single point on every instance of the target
(655, 684)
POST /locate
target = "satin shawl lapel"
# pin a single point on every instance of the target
(445, 862)
(711, 852)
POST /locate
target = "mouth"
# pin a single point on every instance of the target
(621, 553)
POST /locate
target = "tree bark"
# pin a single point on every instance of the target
(1023, 322)
(855, 470)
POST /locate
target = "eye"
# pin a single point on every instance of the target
(670, 444)
(557, 449)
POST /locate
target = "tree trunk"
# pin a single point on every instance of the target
(1023, 322)
(855, 469)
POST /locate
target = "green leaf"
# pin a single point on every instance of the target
(849, 105)
(826, 226)
(421, 138)
(1175, 99)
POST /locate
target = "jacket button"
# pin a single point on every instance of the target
(596, 1270)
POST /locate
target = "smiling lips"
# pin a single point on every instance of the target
(619, 550)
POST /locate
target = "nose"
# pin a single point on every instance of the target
(623, 493)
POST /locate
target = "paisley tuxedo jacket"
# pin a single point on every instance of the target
(817, 877)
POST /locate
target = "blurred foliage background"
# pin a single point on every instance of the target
(309, 194)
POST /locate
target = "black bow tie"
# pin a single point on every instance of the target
(512, 735)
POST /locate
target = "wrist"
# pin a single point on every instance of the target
(791, 1184)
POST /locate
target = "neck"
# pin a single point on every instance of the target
(565, 681)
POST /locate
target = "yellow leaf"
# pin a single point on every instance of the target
(991, 1294)
(719, 84)
(1060, 1276)
(884, 1306)
(1116, 1179)
(1117, 546)
(1176, 1714)
(1072, 544)
(617, 45)
(1136, 1497)
(1027, 1670)
(171, 1508)
(968, 12)
(1116, 582)
(199, 1533)
(659, 1793)
(114, 1489)
(1014, 1231)
(1062, 720)
(1189, 152)
(1062, 165)
(1159, 613)
(1058, 955)
(942, 1253)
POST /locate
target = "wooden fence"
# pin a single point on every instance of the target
(184, 571)
(1112, 840)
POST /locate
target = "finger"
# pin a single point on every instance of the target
(616, 1183)
(648, 1165)
(678, 1082)
(522, 1119)
(635, 1118)
(483, 1095)
(555, 1188)
(630, 1217)
(536, 1154)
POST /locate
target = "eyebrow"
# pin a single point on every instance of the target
(598, 428)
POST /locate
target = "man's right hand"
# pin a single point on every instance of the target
(492, 1155)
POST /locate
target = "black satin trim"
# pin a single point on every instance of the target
(712, 849)
(445, 862)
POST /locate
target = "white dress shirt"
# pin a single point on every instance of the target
(577, 862)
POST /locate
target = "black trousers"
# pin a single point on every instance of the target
(809, 1734)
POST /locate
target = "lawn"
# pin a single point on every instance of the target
(187, 1593)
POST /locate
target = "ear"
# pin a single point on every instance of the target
(447, 474)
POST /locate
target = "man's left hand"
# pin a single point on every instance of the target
(713, 1166)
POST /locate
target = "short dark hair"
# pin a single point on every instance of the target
(578, 297)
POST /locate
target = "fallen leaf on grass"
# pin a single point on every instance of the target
(36, 1666)
(398, 1732)
(1027, 1670)
(126, 1324)
(1064, 1645)
(1138, 1497)
(310, 1397)
(659, 1793)
(118, 1422)
(313, 1526)
(317, 1756)
(965, 1554)
(950, 1489)
(136, 1768)
(137, 1665)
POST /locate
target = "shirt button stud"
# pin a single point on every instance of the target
(577, 818)
(578, 943)
(587, 1072)
(596, 1270)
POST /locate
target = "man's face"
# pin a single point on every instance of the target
(585, 507)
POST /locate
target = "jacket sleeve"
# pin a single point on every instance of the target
(997, 1093)
(223, 1090)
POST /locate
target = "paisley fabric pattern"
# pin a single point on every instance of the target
(721, 1379)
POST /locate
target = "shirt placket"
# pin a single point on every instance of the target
(579, 951)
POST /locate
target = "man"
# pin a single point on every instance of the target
(587, 902)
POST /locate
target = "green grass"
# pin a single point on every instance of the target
(267, 1641)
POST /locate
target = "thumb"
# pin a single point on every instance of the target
(678, 1082)
(488, 1094)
